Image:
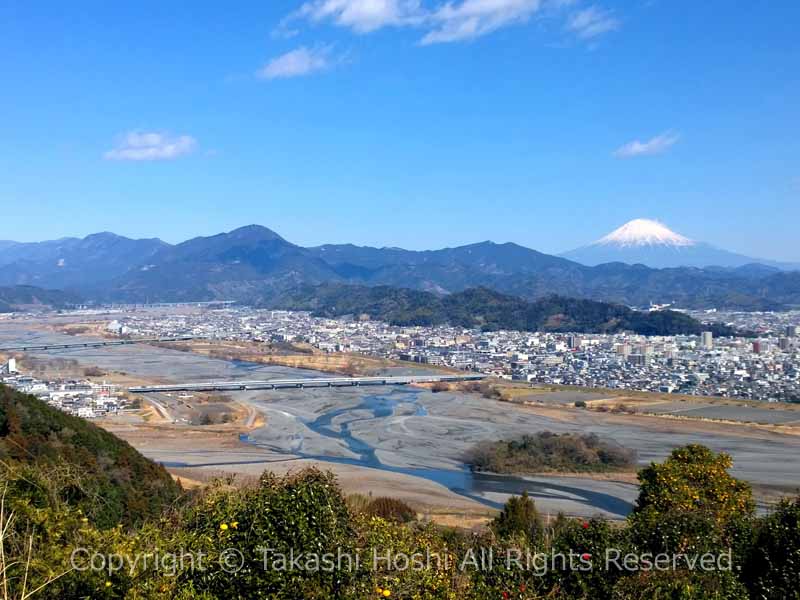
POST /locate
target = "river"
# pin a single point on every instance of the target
(426, 435)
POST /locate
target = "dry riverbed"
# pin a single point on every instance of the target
(410, 443)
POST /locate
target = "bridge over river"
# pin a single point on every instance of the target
(307, 382)
(402, 440)
(94, 344)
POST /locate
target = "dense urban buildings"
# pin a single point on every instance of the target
(765, 367)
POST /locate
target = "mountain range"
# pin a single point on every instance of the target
(256, 265)
(73, 263)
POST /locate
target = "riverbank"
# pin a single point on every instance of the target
(298, 356)
(776, 417)
(294, 355)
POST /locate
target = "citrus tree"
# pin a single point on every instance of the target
(690, 503)
(772, 569)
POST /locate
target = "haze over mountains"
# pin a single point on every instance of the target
(256, 265)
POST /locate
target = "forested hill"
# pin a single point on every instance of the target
(105, 476)
(23, 296)
(488, 310)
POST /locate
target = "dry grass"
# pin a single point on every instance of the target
(306, 357)
(6, 562)
(459, 520)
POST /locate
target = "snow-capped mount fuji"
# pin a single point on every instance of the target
(644, 232)
(651, 243)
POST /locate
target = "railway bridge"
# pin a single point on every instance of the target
(93, 344)
(308, 382)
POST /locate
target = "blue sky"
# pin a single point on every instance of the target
(419, 124)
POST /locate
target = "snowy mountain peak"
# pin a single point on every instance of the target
(644, 232)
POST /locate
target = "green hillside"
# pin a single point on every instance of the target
(485, 309)
(117, 484)
(15, 296)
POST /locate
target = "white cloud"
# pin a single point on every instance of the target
(469, 19)
(655, 145)
(361, 16)
(140, 145)
(591, 22)
(299, 62)
(447, 20)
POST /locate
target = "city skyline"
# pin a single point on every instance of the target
(414, 125)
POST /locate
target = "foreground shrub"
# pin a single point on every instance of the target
(519, 519)
(772, 569)
(690, 503)
(680, 585)
(40, 529)
(281, 517)
(694, 478)
(587, 542)
(391, 544)
(685, 507)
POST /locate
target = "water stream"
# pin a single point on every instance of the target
(480, 487)
(374, 405)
